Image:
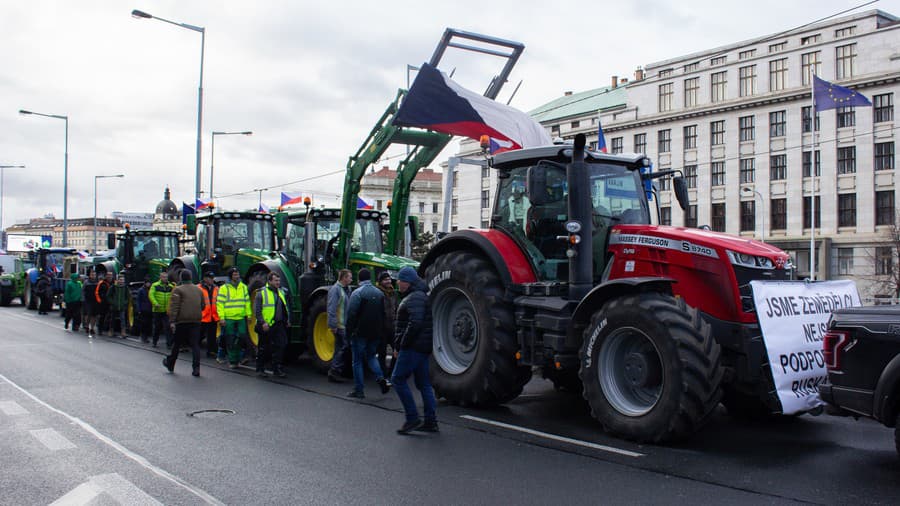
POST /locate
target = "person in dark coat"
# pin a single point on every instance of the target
(386, 285)
(365, 313)
(145, 311)
(90, 300)
(185, 311)
(413, 337)
(272, 311)
(101, 308)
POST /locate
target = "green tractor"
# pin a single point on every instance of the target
(12, 279)
(140, 254)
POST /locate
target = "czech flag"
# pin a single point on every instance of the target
(263, 208)
(361, 204)
(288, 199)
(202, 204)
(601, 140)
(437, 103)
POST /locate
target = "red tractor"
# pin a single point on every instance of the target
(654, 324)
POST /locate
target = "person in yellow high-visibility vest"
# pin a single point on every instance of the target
(273, 319)
(233, 307)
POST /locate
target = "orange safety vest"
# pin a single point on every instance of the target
(210, 314)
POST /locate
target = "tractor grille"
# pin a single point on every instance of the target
(745, 275)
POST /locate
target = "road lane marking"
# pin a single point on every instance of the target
(554, 437)
(120, 489)
(203, 495)
(54, 441)
(12, 408)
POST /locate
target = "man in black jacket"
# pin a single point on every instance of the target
(412, 336)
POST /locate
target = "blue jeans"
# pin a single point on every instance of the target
(413, 363)
(364, 353)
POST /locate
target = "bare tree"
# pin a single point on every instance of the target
(885, 256)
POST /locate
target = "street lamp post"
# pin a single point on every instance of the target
(212, 155)
(762, 204)
(143, 15)
(95, 205)
(65, 236)
(1, 189)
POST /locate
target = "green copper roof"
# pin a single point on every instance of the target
(581, 103)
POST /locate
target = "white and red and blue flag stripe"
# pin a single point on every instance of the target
(437, 103)
(361, 204)
(288, 199)
(202, 204)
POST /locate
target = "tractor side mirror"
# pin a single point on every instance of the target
(111, 241)
(281, 225)
(536, 185)
(681, 191)
(191, 223)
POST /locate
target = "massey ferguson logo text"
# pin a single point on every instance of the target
(665, 243)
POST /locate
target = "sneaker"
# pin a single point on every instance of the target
(195, 373)
(409, 426)
(220, 360)
(428, 426)
(279, 373)
(232, 366)
(261, 374)
(384, 384)
(165, 363)
(334, 378)
(356, 395)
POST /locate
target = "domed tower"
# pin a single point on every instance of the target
(166, 209)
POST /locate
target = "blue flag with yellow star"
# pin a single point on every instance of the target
(831, 96)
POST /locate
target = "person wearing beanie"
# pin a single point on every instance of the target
(73, 297)
(386, 285)
(185, 312)
(412, 336)
(365, 313)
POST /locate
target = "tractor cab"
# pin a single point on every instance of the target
(232, 239)
(142, 253)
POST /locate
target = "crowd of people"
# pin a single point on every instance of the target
(366, 323)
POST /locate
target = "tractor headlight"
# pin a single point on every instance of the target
(751, 261)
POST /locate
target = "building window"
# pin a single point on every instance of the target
(884, 260)
(690, 137)
(718, 60)
(845, 61)
(845, 261)
(717, 133)
(691, 67)
(810, 39)
(690, 176)
(718, 217)
(454, 207)
(807, 162)
(421, 208)
(778, 74)
(664, 184)
(747, 80)
(434, 227)
(485, 199)
(665, 73)
(690, 216)
(747, 128)
(883, 107)
(809, 66)
(884, 156)
(640, 143)
(884, 207)
(664, 138)
(774, 48)
(616, 145)
(434, 207)
(748, 170)
(748, 216)
(717, 83)
(691, 91)
(846, 117)
(379, 204)
(779, 214)
(666, 93)
(806, 210)
(844, 32)
(846, 160)
(665, 215)
(744, 55)
(717, 174)
(777, 123)
(485, 173)
(847, 210)
(554, 131)
(778, 167)
(576, 124)
(807, 122)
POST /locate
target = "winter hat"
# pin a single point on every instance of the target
(407, 274)
(384, 275)
(74, 276)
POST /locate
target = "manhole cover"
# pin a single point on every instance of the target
(210, 413)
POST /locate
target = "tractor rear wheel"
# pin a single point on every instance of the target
(473, 360)
(650, 368)
(321, 340)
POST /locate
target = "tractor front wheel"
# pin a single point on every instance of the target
(28, 298)
(650, 368)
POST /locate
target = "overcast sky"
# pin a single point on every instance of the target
(308, 78)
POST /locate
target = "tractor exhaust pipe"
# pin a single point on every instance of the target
(580, 208)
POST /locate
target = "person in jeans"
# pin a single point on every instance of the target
(145, 311)
(73, 297)
(412, 336)
(119, 297)
(160, 293)
(185, 311)
(233, 307)
(386, 285)
(338, 297)
(365, 314)
(273, 319)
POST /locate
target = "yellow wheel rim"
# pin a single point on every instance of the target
(251, 330)
(323, 339)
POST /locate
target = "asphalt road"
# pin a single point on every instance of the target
(101, 422)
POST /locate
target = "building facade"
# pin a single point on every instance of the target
(424, 195)
(80, 233)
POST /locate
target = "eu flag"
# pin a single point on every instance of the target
(831, 96)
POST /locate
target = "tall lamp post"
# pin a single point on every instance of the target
(65, 236)
(95, 205)
(2, 167)
(143, 15)
(762, 204)
(212, 155)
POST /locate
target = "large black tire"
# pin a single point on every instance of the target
(897, 434)
(6, 296)
(650, 368)
(320, 339)
(474, 357)
(28, 298)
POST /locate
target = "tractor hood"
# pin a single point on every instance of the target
(382, 261)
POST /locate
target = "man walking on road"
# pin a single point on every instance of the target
(185, 312)
(233, 307)
(160, 294)
(73, 298)
(365, 314)
(338, 297)
(413, 336)
(210, 321)
(273, 319)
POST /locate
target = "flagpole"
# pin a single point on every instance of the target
(812, 172)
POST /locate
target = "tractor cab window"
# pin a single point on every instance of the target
(54, 263)
(234, 234)
(294, 242)
(150, 247)
(367, 236)
(326, 236)
(201, 240)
